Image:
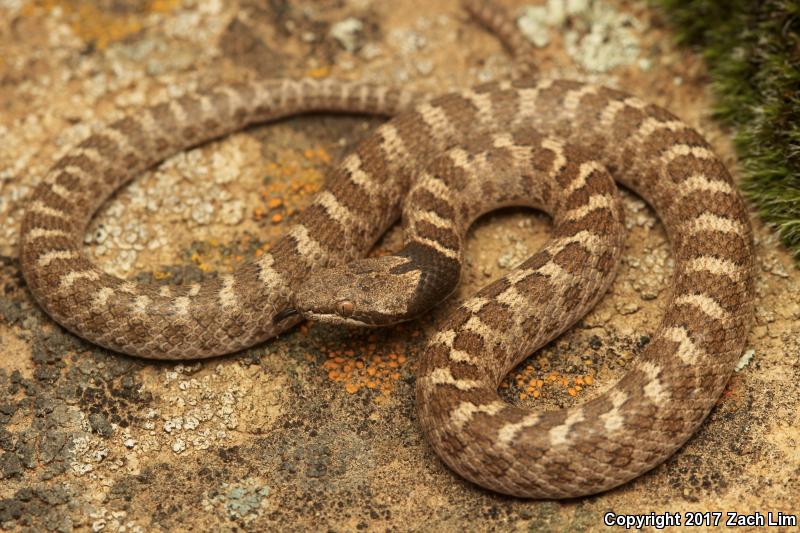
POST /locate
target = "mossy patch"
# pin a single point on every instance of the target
(753, 54)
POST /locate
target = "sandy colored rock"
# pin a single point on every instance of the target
(317, 429)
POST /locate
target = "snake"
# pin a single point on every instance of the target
(563, 133)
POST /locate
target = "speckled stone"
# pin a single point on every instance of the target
(282, 433)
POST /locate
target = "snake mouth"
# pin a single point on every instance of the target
(283, 315)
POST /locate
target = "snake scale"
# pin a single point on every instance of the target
(580, 450)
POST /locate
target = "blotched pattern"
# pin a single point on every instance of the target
(479, 174)
(662, 400)
(570, 452)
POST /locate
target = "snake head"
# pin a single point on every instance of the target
(368, 292)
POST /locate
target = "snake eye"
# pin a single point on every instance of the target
(345, 308)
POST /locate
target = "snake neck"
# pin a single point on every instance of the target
(438, 276)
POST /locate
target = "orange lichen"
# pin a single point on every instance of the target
(529, 384)
(365, 364)
(163, 6)
(101, 27)
(291, 179)
(319, 72)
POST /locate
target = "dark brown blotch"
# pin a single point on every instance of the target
(425, 200)
(446, 237)
(532, 284)
(356, 199)
(730, 246)
(163, 116)
(685, 166)
(600, 221)
(627, 122)
(494, 289)
(496, 315)
(573, 258)
(457, 319)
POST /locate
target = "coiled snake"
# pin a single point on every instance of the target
(589, 448)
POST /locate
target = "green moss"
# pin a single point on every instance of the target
(752, 48)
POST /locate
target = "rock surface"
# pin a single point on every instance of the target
(317, 428)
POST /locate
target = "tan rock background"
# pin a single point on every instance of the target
(317, 428)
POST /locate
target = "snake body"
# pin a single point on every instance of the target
(517, 167)
(677, 378)
(232, 311)
(580, 450)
